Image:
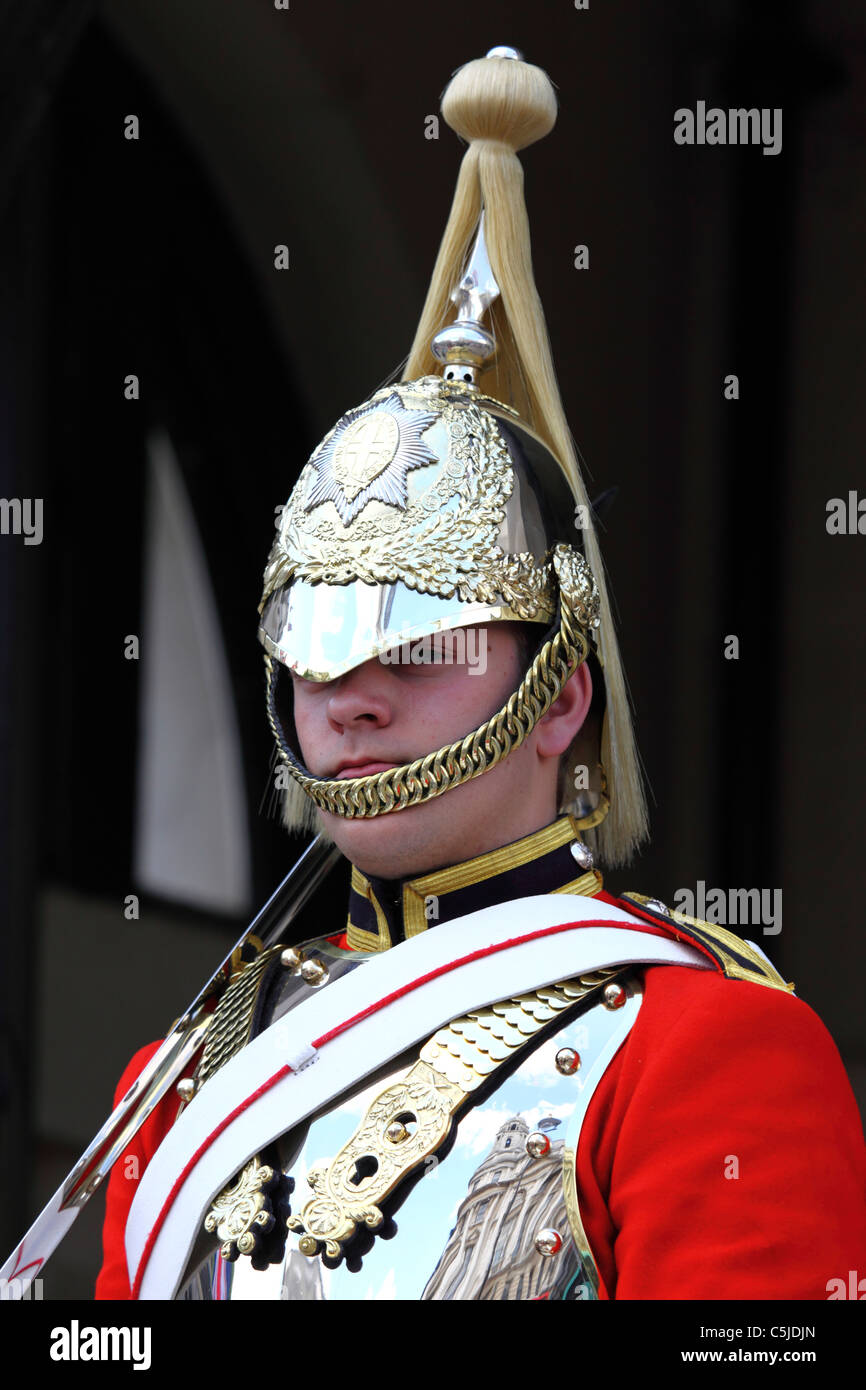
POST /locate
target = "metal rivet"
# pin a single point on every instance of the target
(614, 996)
(567, 1061)
(292, 959)
(537, 1144)
(186, 1088)
(583, 854)
(656, 905)
(548, 1242)
(396, 1132)
(314, 972)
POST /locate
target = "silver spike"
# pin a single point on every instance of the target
(464, 346)
(478, 288)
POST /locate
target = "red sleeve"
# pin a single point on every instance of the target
(722, 1154)
(113, 1279)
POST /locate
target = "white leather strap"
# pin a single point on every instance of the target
(475, 960)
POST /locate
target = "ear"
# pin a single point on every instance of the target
(557, 729)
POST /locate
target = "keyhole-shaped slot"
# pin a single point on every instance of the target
(365, 1167)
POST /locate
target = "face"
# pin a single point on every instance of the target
(382, 715)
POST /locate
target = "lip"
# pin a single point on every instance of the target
(348, 770)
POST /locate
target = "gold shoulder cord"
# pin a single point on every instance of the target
(738, 959)
(233, 1016)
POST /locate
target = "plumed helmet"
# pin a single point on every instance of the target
(436, 506)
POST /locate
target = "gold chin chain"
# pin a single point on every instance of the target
(469, 757)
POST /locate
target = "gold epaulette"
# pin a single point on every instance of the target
(737, 959)
(233, 1016)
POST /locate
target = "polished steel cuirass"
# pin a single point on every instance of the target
(493, 1214)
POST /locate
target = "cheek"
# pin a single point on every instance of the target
(302, 711)
(478, 694)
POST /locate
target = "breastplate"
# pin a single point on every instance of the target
(494, 1213)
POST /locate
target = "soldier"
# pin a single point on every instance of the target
(498, 1081)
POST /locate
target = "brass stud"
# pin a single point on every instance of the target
(567, 1061)
(292, 959)
(314, 972)
(537, 1144)
(396, 1132)
(548, 1241)
(186, 1088)
(614, 996)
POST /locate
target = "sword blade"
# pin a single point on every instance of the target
(156, 1079)
(281, 908)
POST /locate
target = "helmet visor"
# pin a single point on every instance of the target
(320, 631)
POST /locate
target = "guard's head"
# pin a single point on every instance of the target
(435, 508)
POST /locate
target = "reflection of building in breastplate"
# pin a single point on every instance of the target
(302, 1277)
(491, 1252)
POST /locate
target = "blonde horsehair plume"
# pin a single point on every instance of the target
(297, 810)
(501, 105)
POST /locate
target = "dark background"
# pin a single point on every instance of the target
(305, 127)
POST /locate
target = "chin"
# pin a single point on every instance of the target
(460, 824)
(401, 844)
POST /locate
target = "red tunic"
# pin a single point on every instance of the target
(721, 1156)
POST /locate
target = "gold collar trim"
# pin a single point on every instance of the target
(419, 894)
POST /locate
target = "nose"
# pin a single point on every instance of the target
(360, 698)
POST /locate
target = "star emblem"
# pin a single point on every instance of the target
(368, 457)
